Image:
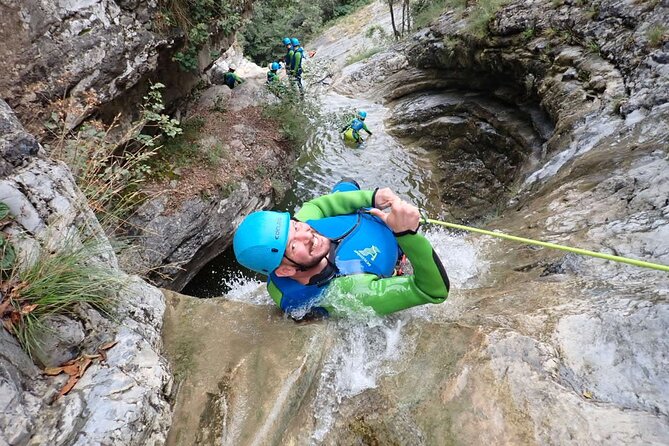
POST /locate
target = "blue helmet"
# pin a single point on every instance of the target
(260, 240)
(275, 66)
(295, 42)
(362, 114)
(286, 40)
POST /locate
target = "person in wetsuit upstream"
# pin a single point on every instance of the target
(342, 243)
(351, 131)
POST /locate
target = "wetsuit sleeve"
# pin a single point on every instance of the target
(339, 203)
(297, 61)
(364, 127)
(428, 284)
(275, 293)
(347, 126)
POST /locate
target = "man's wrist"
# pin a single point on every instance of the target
(407, 232)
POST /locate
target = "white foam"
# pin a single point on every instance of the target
(245, 289)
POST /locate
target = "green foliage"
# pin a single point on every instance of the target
(198, 19)
(7, 253)
(109, 173)
(362, 55)
(55, 284)
(152, 112)
(593, 47)
(480, 16)
(275, 19)
(197, 37)
(529, 33)
(292, 114)
(478, 12)
(376, 30)
(177, 152)
(424, 11)
(215, 154)
(656, 35)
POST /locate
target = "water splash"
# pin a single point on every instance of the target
(364, 351)
(246, 289)
(459, 255)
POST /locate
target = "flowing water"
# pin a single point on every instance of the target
(366, 347)
(364, 362)
(380, 161)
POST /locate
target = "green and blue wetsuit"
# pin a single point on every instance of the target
(232, 79)
(352, 130)
(361, 262)
(288, 59)
(296, 67)
(272, 76)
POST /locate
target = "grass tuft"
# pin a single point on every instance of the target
(656, 35)
(55, 284)
(362, 55)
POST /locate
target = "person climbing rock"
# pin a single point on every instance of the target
(287, 59)
(339, 253)
(351, 131)
(272, 75)
(296, 64)
(232, 79)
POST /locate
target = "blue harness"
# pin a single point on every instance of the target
(357, 125)
(366, 246)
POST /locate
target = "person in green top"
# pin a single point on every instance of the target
(272, 75)
(338, 254)
(296, 64)
(232, 79)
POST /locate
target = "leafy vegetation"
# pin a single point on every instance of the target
(362, 55)
(292, 114)
(198, 19)
(480, 16)
(424, 11)
(478, 12)
(109, 173)
(55, 283)
(656, 35)
(275, 19)
(180, 151)
(7, 253)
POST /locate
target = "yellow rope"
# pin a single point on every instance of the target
(528, 241)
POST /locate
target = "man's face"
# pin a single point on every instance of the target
(305, 246)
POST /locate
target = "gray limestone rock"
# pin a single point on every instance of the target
(122, 400)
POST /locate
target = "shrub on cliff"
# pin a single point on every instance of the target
(275, 19)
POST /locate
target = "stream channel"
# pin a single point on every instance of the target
(365, 347)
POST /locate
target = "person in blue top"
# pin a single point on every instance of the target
(287, 42)
(296, 64)
(339, 254)
(351, 131)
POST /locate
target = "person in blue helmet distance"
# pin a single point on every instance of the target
(272, 74)
(296, 64)
(351, 131)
